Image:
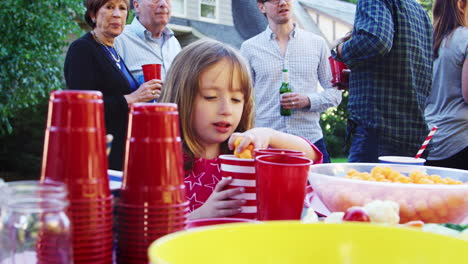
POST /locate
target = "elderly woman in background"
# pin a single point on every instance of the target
(93, 64)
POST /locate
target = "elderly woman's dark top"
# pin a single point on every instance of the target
(89, 67)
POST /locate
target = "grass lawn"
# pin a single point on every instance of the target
(339, 160)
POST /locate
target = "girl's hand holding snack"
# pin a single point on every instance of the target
(257, 137)
(220, 204)
(262, 137)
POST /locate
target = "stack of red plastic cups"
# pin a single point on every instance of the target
(75, 153)
(152, 200)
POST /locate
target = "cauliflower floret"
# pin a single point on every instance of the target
(336, 217)
(385, 212)
(310, 217)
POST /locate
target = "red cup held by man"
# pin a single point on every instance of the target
(151, 71)
(340, 73)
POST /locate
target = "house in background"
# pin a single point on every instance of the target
(233, 21)
(229, 21)
(331, 19)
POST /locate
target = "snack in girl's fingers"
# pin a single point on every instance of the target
(246, 153)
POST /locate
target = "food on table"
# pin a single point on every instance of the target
(416, 224)
(246, 152)
(335, 217)
(383, 212)
(356, 214)
(386, 212)
(431, 203)
(310, 217)
(387, 174)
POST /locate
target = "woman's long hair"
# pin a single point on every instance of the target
(447, 17)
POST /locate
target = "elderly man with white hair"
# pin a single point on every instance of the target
(148, 40)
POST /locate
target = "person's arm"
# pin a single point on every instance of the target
(372, 34)
(262, 137)
(330, 96)
(464, 81)
(77, 72)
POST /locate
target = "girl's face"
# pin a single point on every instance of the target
(218, 104)
(110, 18)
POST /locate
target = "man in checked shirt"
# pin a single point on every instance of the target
(305, 55)
(389, 55)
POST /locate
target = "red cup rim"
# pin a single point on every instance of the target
(153, 210)
(233, 157)
(75, 94)
(215, 221)
(273, 151)
(152, 108)
(152, 218)
(84, 229)
(106, 244)
(151, 227)
(160, 206)
(304, 161)
(83, 241)
(92, 200)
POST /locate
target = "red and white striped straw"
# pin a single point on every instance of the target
(426, 142)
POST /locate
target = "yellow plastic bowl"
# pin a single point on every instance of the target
(293, 242)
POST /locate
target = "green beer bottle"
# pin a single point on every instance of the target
(285, 89)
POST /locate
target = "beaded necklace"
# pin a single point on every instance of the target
(116, 59)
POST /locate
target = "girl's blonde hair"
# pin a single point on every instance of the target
(182, 85)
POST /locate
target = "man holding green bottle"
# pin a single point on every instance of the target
(305, 55)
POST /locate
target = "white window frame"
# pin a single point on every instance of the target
(216, 19)
(184, 14)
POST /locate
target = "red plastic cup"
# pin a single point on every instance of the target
(151, 71)
(153, 168)
(337, 67)
(242, 172)
(75, 145)
(281, 185)
(272, 151)
(217, 221)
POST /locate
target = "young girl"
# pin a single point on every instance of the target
(211, 84)
(447, 105)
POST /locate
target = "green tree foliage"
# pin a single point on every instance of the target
(333, 123)
(427, 4)
(34, 35)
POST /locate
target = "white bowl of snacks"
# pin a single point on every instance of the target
(429, 194)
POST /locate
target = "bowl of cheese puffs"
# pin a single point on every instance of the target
(429, 194)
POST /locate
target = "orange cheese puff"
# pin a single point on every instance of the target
(246, 153)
